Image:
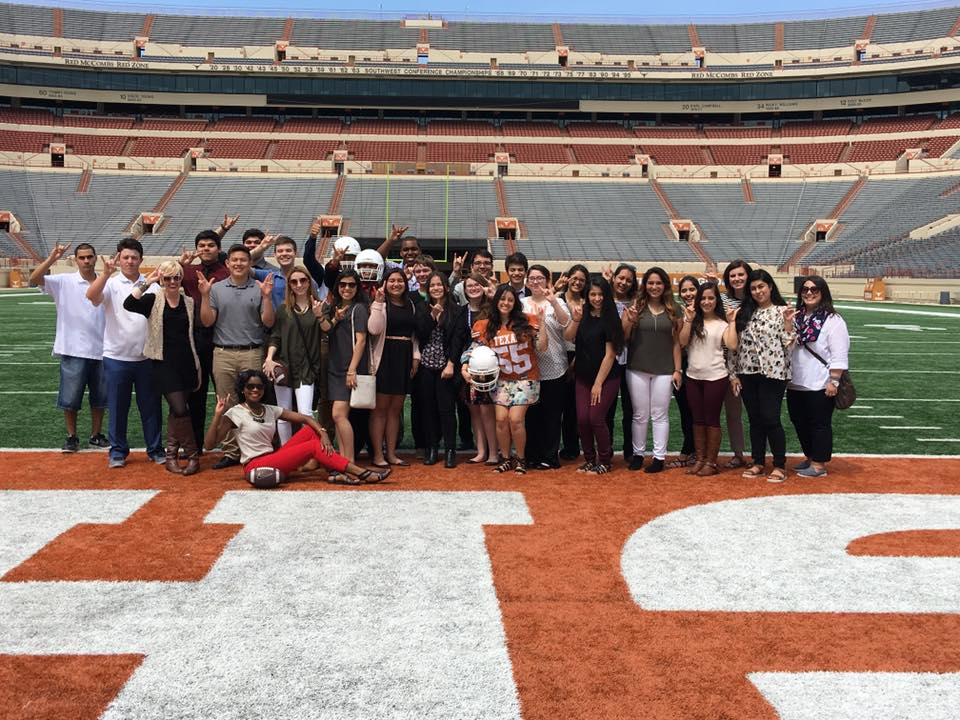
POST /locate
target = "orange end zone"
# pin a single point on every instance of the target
(579, 644)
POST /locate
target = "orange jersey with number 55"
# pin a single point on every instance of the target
(518, 357)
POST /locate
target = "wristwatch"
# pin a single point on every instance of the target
(835, 382)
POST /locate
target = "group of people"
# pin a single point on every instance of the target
(528, 371)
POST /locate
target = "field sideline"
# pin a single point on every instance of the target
(905, 360)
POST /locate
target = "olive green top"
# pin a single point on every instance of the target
(651, 344)
(302, 361)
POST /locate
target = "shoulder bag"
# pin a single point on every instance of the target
(364, 395)
(846, 393)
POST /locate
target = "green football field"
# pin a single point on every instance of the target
(904, 360)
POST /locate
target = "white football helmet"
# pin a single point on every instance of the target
(351, 249)
(369, 265)
(484, 368)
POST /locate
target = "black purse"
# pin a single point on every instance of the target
(846, 393)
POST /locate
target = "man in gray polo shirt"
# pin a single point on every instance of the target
(239, 309)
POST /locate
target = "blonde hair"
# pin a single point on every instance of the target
(289, 299)
(169, 268)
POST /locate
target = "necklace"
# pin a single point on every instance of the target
(256, 418)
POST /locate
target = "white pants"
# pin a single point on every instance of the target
(304, 406)
(650, 396)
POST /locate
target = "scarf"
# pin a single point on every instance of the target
(809, 324)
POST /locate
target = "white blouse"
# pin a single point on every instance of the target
(833, 345)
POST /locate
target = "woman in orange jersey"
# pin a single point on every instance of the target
(513, 336)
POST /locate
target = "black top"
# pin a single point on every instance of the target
(401, 320)
(176, 325)
(591, 342)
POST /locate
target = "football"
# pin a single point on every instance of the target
(265, 478)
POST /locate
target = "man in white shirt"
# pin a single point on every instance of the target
(79, 341)
(125, 366)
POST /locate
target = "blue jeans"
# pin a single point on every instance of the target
(122, 378)
(77, 373)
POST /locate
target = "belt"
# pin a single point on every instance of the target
(239, 347)
(397, 337)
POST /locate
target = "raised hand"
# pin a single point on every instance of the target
(203, 284)
(341, 313)
(317, 307)
(58, 251)
(378, 296)
(109, 264)
(266, 287)
(607, 272)
(435, 312)
(549, 294)
(732, 315)
(229, 222)
(153, 277)
(689, 312)
(397, 231)
(268, 240)
(457, 263)
(408, 271)
(561, 284)
(576, 312)
(632, 313)
(789, 314)
(490, 291)
(315, 227)
(187, 256)
(222, 402)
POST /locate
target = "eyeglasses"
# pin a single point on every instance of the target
(348, 284)
(808, 290)
(253, 386)
(536, 279)
(482, 263)
(173, 278)
(299, 281)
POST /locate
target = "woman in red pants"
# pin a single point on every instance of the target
(256, 424)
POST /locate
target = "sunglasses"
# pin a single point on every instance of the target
(173, 278)
(253, 386)
(299, 281)
(809, 291)
(348, 284)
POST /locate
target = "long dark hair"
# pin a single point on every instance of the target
(669, 304)
(609, 318)
(517, 321)
(446, 302)
(826, 299)
(696, 327)
(634, 286)
(749, 304)
(726, 277)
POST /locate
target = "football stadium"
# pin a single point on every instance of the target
(667, 314)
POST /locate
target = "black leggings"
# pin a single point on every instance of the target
(763, 399)
(811, 413)
(543, 422)
(437, 401)
(626, 417)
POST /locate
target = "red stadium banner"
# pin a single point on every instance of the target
(423, 49)
(912, 153)
(282, 44)
(642, 159)
(340, 156)
(333, 221)
(6, 217)
(140, 42)
(505, 223)
(58, 149)
(151, 218)
(563, 51)
(774, 159)
(501, 158)
(196, 153)
(699, 52)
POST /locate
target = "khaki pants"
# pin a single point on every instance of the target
(227, 364)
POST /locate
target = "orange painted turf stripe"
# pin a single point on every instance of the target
(579, 645)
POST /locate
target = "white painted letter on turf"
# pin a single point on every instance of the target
(324, 605)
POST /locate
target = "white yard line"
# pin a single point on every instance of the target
(876, 417)
(941, 440)
(909, 372)
(892, 311)
(909, 400)
(910, 427)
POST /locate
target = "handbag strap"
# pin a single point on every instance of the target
(807, 348)
(353, 334)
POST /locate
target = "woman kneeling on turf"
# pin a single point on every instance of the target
(256, 424)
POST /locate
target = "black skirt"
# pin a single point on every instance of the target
(393, 374)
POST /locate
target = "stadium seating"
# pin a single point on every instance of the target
(535, 153)
(172, 124)
(896, 124)
(745, 37)
(462, 207)
(352, 34)
(163, 146)
(25, 142)
(626, 39)
(531, 129)
(305, 149)
(740, 154)
(744, 133)
(88, 25)
(310, 125)
(937, 256)
(675, 154)
(382, 127)
(767, 230)
(26, 20)
(816, 129)
(244, 124)
(464, 128)
(878, 150)
(460, 152)
(604, 154)
(95, 144)
(826, 33)
(937, 146)
(813, 153)
(376, 150)
(666, 131)
(281, 205)
(597, 130)
(100, 122)
(918, 25)
(220, 148)
(24, 116)
(492, 37)
(573, 221)
(194, 30)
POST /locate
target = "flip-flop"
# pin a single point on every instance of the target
(755, 471)
(777, 476)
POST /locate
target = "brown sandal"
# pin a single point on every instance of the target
(754, 471)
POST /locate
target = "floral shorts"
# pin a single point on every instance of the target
(510, 393)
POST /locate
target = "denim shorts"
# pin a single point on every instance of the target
(76, 374)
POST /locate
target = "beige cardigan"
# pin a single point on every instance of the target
(153, 348)
(376, 335)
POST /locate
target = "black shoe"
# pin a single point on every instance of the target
(654, 467)
(72, 444)
(450, 459)
(569, 454)
(430, 455)
(225, 462)
(636, 462)
(98, 440)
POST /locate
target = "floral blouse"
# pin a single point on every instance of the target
(764, 345)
